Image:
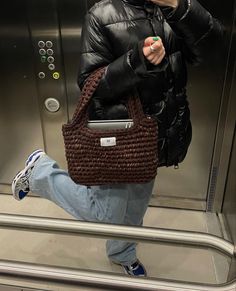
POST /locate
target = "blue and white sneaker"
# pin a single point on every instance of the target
(20, 184)
(34, 156)
(136, 269)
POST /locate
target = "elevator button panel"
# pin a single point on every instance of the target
(47, 59)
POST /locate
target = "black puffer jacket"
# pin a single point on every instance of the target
(113, 36)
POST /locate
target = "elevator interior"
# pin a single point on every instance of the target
(39, 48)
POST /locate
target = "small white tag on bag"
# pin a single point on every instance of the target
(108, 141)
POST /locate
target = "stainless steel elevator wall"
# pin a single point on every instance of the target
(20, 123)
(229, 204)
(229, 207)
(26, 124)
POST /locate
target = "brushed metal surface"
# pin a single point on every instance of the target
(108, 281)
(229, 207)
(138, 234)
(223, 152)
(71, 15)
(46, 29)
(20, 126)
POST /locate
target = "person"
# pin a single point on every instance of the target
(144, 46)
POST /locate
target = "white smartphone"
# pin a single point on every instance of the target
(110, 124)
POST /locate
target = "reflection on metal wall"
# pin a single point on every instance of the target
(191, 185)
(40, 42)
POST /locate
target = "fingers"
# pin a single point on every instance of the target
(153, 50)
(150, 40)
(156, 60)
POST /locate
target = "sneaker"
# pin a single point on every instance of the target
(20, 184)
(34, 156)
(136, 269)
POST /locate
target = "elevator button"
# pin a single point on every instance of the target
(42, 52)
(51, 67)
(41, 75)
(41, 44)
(56, 75)
(49, 44)
(50, 52)
(50, 59)
(52, 104)
(43, 59)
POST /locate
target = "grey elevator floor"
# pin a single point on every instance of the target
(162, 261)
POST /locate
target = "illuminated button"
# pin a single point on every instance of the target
(50, 59)
(56, 75)
(42, 52)
(50, 52)
(41, 44)
(51, 67)
(49, 44)
(41, 75)
(43, 59)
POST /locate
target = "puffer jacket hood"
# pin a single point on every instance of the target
(113, 36)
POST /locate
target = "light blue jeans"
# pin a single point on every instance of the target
(117, 204)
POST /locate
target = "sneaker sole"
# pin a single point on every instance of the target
(16, 179)
(127, 273)
(132, 275)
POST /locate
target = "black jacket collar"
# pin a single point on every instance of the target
(143, 4)
(135, 2)
(138, 2)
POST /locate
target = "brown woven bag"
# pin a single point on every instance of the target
(131, 156)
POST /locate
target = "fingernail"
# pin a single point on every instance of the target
(156, 38)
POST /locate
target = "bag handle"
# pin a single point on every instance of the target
(89, 88)
(134, 105)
